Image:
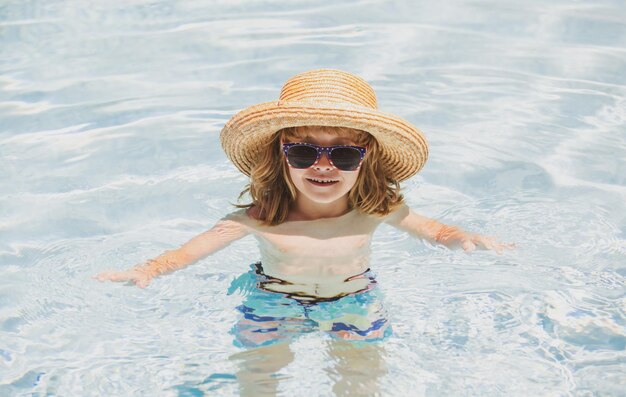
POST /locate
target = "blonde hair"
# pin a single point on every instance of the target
(273, 192)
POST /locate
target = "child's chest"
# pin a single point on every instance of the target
(319, 250)
(314, 246)
(308, 259)
(323, 238)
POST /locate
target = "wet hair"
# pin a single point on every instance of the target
(273, 192)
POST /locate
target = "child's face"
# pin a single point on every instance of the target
(305, 179)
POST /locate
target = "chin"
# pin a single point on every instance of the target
(323, 198)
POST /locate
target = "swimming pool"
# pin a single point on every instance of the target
(109, 154)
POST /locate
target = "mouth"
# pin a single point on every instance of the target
(322, 182)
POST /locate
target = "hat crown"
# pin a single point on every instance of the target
(329, 85)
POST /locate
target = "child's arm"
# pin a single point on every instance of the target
(222, 234)
(420, 226)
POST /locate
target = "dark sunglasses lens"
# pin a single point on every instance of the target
(345, 158)
(301, 156)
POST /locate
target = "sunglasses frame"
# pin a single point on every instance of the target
(324, 149)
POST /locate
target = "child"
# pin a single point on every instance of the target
(324, 167)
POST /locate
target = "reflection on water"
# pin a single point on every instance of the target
(355, 368)
(259, 369)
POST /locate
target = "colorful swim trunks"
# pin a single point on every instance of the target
(269, 317)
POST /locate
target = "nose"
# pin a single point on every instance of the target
(324, 162)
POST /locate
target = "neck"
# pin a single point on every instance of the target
(306, 210)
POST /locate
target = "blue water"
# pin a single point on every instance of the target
(110, 115)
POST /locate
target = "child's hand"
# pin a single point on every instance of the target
(135, 274)
(453, 236)
(471, 241)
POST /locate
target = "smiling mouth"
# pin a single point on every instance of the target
(322, 182)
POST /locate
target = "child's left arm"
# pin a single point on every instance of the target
(420, 226)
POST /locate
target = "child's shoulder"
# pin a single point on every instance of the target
(253, 212)
(397, 214)
(243, 215)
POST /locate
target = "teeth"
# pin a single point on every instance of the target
(320, 181)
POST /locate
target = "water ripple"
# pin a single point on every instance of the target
(109, 154)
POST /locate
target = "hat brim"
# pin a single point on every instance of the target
(404, 149)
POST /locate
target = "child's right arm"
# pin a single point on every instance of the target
(222, 234)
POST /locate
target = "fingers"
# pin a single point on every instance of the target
(491, 244)
(113, 276)
(468, 245)
(500, 247)
(488, 243)
(108, 275)
(142, 282)
(139, 279)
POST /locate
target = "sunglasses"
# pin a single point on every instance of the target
(306, 155)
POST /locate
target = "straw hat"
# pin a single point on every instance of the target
(326, 97)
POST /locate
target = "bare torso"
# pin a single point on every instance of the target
(323, 257)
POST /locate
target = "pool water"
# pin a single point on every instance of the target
(110, 114)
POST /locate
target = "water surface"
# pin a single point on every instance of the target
(109, 153)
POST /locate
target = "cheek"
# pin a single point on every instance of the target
(296, 176)
(293, 174)
(351, 178)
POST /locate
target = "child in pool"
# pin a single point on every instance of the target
(324, 167)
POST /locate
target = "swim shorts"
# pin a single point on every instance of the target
(269, 317)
